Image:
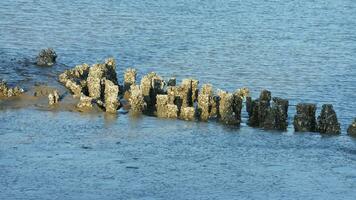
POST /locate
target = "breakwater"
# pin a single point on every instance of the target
(97, 86)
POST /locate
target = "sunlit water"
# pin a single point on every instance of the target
(300, 50)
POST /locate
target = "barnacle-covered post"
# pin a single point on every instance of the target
(304, 120)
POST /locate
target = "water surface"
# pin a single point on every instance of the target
(300, 50)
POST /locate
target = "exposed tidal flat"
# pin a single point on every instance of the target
(299, 50)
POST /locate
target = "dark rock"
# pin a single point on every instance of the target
(258, 109)
(263, 107)
(280, 106)
(265, 95)
(352, 128)
(252, 109)
(263, 115)
(304, 120)
(46, 57)
(237, 106)
(249, 105)
(277, 115)
(327, 121)
(172, 82)
(270, 121)
(185, 91)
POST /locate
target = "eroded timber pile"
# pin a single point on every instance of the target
(155, 96)
(98, 86)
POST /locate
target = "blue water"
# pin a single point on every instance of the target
(300, 50)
